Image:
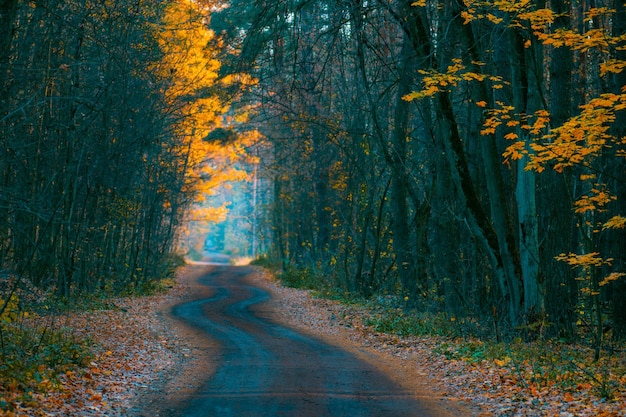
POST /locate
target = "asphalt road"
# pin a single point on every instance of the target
(265, 369)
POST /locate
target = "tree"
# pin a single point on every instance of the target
(417, 148)
(97, 170)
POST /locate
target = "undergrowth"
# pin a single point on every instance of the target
(303, 278)
(533, 365)
(403, 323)
(35, 348)
(266, 262)
(544, 364)
(34, 355)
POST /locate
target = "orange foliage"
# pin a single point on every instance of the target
(580, 140)
(190, 65)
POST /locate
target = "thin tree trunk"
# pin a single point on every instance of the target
(8, 14)
(397, 158)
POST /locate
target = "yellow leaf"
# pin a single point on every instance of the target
(515, 151)
(615, 222)
(612, 66)
(587, 259)
(494, 19)
(614, 276)
(502, 362)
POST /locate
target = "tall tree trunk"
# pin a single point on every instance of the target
(525, 100)
(561, 288)
(496, 228)
(397, 157)
(560, 69)
(617, 237)
(8, 14)
(481, 225)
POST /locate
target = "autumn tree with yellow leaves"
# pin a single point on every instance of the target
(106, 115)
(586, 146)
(213, 154)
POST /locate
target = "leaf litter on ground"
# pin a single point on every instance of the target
(134, 348)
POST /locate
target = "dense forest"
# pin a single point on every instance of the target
(466, 158)
(105, 110)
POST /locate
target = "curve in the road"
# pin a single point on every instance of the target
(264, 369)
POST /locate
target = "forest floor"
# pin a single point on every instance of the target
(139, 350)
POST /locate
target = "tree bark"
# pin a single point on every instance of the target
(400, 184)
(8, 13)
(525, 100)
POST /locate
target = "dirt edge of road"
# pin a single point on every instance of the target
(194, 365)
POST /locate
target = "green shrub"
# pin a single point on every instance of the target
(303, 278)
(265, 261)
(30, 355)
(399, 322)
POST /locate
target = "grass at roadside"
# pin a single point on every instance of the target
(524, 369)
(33, 357)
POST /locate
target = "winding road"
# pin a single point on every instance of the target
(265, 369)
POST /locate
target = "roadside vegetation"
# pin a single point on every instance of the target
(35, 351)
(525, 366)
(47, 343)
